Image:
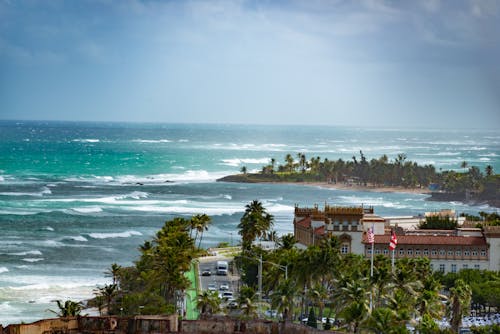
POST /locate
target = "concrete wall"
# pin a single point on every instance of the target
(56, 326)
(235, 326)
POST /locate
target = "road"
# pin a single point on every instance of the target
(231, 280)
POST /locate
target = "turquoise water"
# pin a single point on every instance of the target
(76, 197)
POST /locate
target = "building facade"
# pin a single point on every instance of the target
(448, 250)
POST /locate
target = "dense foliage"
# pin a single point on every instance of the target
(469, 183)
(156, 281)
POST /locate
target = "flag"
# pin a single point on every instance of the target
(371, 235)
(394, 240)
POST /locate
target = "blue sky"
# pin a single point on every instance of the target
(360, 63)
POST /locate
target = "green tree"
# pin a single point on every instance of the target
(283, 298)
(459, 303)
(311, 319)
(256, 222)
(68, 309)
(208, 302)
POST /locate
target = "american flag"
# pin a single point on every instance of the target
(371, 235)
(394, 240)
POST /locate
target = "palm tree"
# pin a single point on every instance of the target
(243, 170)
(459, 303)
(383, 320)
(289, 162)
(208, 302)
(200, 223)
(68, 309)
(488, 170)
(113, 272)
(254, 223)
(108, 292)
(283, 298)
(287, 241)
(464, 165)
(246, 302)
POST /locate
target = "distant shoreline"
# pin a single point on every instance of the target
(338, 186)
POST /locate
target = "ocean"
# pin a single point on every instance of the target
(77, 197)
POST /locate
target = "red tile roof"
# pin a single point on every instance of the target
(319, 230)
(304, 223)
(430, 240)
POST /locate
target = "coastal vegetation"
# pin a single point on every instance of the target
(466, 184)
(314, 283)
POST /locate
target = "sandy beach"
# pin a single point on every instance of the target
(369, 187)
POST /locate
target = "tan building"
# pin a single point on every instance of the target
(448, 250)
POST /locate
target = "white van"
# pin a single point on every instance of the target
(222, 268)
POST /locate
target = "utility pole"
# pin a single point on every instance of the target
(260, 281)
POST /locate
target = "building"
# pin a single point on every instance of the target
(448, 250)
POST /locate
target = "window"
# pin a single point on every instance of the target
(432, 266)
(426, 252)
(434, 252)
(442, 267)
(410, 252)
(474, 252)
(401, 251)
(476, 266)
(467, 253)
(417, 252)
(453, 268)
(386, 251)
(483, 252)
(458, 253)
(377, 251)
(466, 266)
(369, 251)
(450, 253)
(442, 252)
(345, 249)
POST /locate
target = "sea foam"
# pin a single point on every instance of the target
(125, 234)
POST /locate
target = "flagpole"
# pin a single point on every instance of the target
(371, 267)
(392, 262)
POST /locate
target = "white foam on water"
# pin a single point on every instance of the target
(151, 141)
(1, 178)
(86, 140)
(3, 270)
(237, 161)
(77, 238)
(48, 228)
(33, 252)
(126, 234)
(88, 209)
(51, 243)
(134, 195)
(33, 259)
(485, 159)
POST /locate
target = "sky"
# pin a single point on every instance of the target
(426, 63)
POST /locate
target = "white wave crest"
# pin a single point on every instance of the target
(134, 195)
(125, 234)
(151, 141)
(88, 209)
(237, 162)
(86, 140)
(33, 259)
(78, 238)
(48, 228)
(33, 252)
(1, 178)
(3, 270)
